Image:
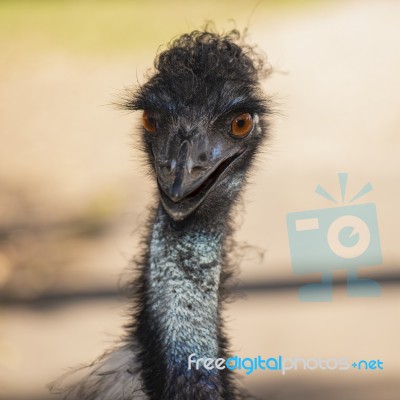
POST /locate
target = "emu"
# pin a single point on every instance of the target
(204, 119)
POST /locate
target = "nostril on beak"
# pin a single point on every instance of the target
(189, 166)
(173, 165)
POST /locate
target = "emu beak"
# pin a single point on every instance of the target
(186, 179)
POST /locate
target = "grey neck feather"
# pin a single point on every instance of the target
(185, 276)
(179, 314)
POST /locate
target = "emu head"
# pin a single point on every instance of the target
(202, 121)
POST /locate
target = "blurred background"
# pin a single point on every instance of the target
(74, 196)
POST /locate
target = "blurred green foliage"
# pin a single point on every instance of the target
(115, 26)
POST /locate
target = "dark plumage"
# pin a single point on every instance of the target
(203, 123)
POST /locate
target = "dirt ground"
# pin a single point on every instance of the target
(73, 199)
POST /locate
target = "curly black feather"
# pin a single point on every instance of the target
(198, 68)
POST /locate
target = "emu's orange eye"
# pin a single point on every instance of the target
(242, 125)
(149, 122)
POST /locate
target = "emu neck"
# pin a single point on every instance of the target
(184, 280)
(181, 305)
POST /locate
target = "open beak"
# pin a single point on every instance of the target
(184, 180)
